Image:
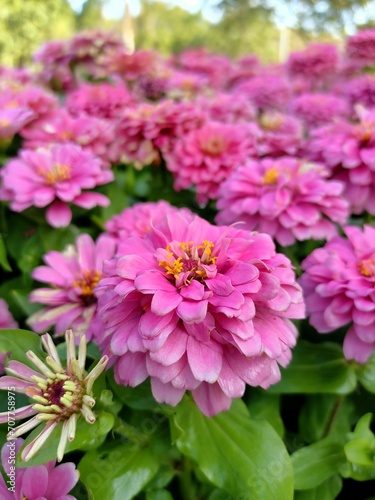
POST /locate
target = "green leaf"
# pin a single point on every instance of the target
(328, 490)
(235, 452)
(119, 472)
(314, 464)
(360, 451)
(158, 495)
(4, 263)
(263, 405)
(88, 436)
(366, 374)
(138, 398)
(18, 342)
(323, 415)
(317, 368)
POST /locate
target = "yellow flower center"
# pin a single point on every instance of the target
(367, 267)
(270, 122)
(87, 283)
(271, 176)
(4, 122)
(364, 131)
(187, 261)
(213, 146)
(58, 173)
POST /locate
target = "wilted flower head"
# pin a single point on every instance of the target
(199, 307)
(360, 48)
(288, 198)
(37, 482)
(207, 155)
(53, 178)
(338, 285)
(72, 275)
(59, 395)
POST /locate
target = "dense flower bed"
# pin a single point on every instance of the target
(192, 224)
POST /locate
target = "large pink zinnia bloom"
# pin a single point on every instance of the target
(39, 482)
(317, 109)
(201, 308)
(338, 284)
(53, 178)
(206, 156)
(360, 48)
(71, 300)
(288, 198)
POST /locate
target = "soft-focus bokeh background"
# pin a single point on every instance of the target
(270, 29)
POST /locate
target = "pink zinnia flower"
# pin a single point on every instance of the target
(38, 482)
(6, 318)
(13, 119)
(54, 178)
(349, 150)
(338, 284)
(132, 66)
(360, 48)
(318, 109)
(59, 395)
(279, 134)
(72, 297)
(59, 127)
(201, 308)
(316, 62)
(360, 90)
(288, 198)
(266, 91)
(206, 156)
(140, 218)
(102, 100)
(223, 107)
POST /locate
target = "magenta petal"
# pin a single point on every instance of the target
(355, 348)
(34, 482)
(173, 349)
(211, 399)
(150, 325)
(61, 480)
(192, 312)
(58, 214)
(166, 393)
(230, 383)
(194, 290)
(220, 285)
(205, 360)
(151, 282)
(131, 369)
(164, 302)
(17, 384)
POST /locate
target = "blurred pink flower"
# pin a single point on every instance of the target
(317, 109)
(13, 119)
(71, 297)
(288, 198)
(266, 91)
(201, 308)
(206, 156)
(317, 61)
(360, 48)
(279, 134)
(338, 285)
(360, 90)
(102, 100)
(6, 318)
(37, 482)
(138, 219)
(348, 149)
(54, 178)
(222, 107)
(59, 127)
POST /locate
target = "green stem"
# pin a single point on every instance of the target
(332, 416)
(186, 481)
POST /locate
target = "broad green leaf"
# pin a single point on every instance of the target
(360, 451)
(263, 405)
(314, 464)
(235, 452)
(14, 292)
(138, 398)
(158, 495)
(366, 374)
(4, 263)
(323, 415)
(88, 436)
(328, 490)
(317, 368)
(18, 342)
(119, 472)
